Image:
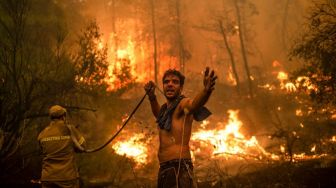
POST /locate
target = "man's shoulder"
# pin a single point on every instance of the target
(185, 101)
(43, 132)
(53, 128)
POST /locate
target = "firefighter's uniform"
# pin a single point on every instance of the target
(59, 166)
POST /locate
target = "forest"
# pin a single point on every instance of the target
(273, 121)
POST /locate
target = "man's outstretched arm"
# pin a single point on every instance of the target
(202, 97)
(150, 90)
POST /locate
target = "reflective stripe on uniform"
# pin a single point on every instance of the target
(55, 138)
(81, 140)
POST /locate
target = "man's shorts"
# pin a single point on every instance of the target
(168, 172)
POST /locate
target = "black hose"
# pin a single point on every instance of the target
(116, 134)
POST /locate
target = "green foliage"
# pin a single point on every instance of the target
(317, 48)
(91, 62)
(31, 65)
(37, 67)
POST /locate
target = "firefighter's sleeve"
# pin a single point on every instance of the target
(78, 138)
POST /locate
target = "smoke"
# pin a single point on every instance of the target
(269, 28)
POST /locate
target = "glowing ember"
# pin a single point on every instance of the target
(124, 118)
(230, 78)
(290, 87)
(276, 63)
(333, 116)
(282, 76)
(204, 124)
(100, 46)
(267, 86)
(313, 148)
(298, 112)
(304, 82)
(303, 156)
(133, 147)
(282, 149)
(333, 139)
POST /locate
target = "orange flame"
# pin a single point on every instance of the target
(132, 60)
(230, 78)
(305, 82)
(298, 112)
(228, 141)
(333, 139)
(313, 148)
(134, 148)
(282, 76)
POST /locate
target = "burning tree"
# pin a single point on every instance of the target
(91, 62)
(317, 48)
(234, 34)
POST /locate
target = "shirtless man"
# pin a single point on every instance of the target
(175, 119)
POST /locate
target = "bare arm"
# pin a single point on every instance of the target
(150, 90)
(202, 97)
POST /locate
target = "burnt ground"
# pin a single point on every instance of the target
(315, 173)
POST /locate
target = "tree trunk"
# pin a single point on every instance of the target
(114, 29)
(243, 50)
(156, 68)
(12, 57)
(228, 48)
(284, 25)
(180, 36)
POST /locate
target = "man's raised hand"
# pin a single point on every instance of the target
(209, 80)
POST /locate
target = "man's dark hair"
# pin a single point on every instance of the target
(176, 73)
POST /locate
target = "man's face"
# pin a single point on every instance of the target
(171, 86)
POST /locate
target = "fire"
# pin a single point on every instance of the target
(227, 141)
(304, 82)
(282, 149)
(333, 139)
(290, 87)
(121, 69)
(284, 84)
(100, 45)
(131, 60)
(134, 148)
(333, 116)
(276, 63)
(282, 76)
(298, 112)
(267, 86)
(124, 117)
(230, 78)
(313, 148)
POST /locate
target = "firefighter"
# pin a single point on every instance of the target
(59, 142)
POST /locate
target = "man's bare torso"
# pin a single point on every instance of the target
(171, 141)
